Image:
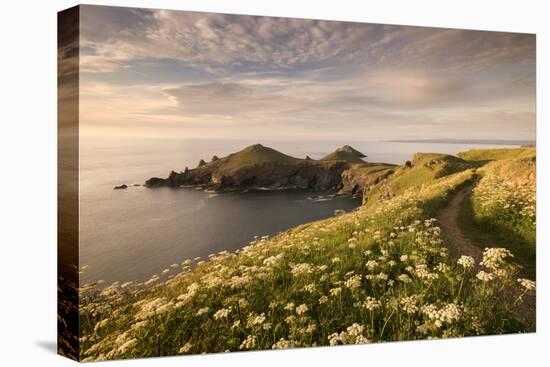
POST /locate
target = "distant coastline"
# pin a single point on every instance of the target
(522, 143)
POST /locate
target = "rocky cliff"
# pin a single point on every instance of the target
(259, 167)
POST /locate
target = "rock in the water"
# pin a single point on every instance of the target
(339, 212)
(155, 182)
(201, 163)
(214, 158)
(308, 158)
(121, 187)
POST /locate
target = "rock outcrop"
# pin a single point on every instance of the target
(348, 149)
(259, 167)
(345, 153)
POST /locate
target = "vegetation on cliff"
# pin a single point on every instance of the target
(380, 273)
(498, 154)
(502, 208)
(347, 154)
(424, 169)
(258, 166)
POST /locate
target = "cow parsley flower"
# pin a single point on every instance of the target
(248, 343)
(408, 304)
(484, 276)
(302, 309)
(404, 278)
(186, 348)
(202, 311)
(353, 282)
(493, 258)
(527, 284)
(467, 262)
(222, 313)
(289, 306)
(335, 291)
(371, 303)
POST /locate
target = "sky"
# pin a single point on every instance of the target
(177, 74)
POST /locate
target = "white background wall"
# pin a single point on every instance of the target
(28, 181)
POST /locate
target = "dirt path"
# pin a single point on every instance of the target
(459, 244)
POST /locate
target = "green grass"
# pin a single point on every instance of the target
(381, 273)
(501, 210)
(343, 156)
(497, 154)
(426, 167)
(374, 171)
(250, 156)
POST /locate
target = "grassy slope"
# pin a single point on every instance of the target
(343, 156)
(374, 170)
(252, 155)
(370, 174)
(426, 167)
(501, 210)
(497, 154)
(345, 275)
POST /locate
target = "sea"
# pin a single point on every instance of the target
(133, 234)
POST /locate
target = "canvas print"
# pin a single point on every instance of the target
(231, 183)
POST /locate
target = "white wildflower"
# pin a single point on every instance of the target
(186, 348)
(409, 304)
(202, 311)
(484, 276)
(371, 303)
(248, 343)
(527, 284)
(353, 282)
(302, 309)
(222, 313)
(335, 291)
(467, 262)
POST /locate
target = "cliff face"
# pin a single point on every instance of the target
(273, 175)
(261, 167)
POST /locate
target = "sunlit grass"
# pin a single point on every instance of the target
(380, 273)
(502, 209)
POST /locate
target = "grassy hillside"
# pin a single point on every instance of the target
(345, 153)
(502, 209)
(380, 273)
(252, 155)
(497, 154)
(374, 170)
(425, 168)
(343, 156)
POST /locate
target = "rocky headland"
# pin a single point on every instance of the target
(341, 172)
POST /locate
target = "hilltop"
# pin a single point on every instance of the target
(424, 169)
(345, 153)
(497, 154)
(258, 166)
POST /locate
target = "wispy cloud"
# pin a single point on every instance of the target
(213, 70)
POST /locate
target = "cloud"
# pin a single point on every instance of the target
(218, 43)
(235, 75)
